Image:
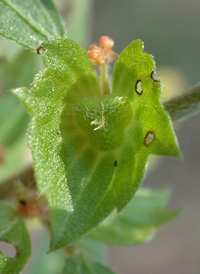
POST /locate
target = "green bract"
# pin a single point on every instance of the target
(90, 150)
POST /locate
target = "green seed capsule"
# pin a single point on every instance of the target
(104, 121)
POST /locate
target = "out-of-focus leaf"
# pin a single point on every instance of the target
(13, 231)
(138, 221)
(19, 71)
(80, 21)
(14, 119)
(80, 266)
(8, 50)
(93, 249)
(13, 123)
(90, 151)
(15, 160)
(101, 269)
(52, 263)
(30, 22)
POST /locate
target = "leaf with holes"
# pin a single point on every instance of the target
(81, 266)
(13, 231)
(138, 221)
(90, 150)
(30, 22)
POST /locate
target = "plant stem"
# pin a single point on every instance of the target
(104, 78)
(185, 105)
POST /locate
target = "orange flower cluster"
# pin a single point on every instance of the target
(103, 53)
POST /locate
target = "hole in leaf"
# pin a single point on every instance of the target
(138, 87)
(153, 77)
(40, 50)
(8, 249)
(149, 138)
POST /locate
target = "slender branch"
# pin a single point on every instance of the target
(185, 105)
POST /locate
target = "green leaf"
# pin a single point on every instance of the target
(138, 221)
(90, 151)
(30, 22)
(80, 266)
(13, 231)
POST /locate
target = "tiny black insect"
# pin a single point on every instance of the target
(115, 163)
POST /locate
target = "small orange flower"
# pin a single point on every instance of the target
(103, 53)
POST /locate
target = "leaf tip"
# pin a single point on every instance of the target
(138, 44)
(23, 96)
(176, 152)
(52, 247)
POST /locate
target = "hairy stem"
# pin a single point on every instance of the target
(185, 105)
(104, 76)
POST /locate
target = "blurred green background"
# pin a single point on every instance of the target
(171, 32)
